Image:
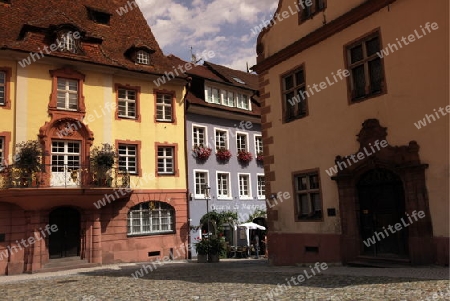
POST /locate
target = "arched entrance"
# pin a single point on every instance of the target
(66, 241)
(382, 206)
(377, 191)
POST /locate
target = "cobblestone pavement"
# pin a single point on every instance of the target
(230, 280)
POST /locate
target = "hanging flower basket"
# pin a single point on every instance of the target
(244, 156)
(260, 157)
(201, 152)
(223, 154)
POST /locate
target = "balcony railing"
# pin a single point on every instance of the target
(62, 176)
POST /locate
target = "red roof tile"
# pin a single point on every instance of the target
(26, 25)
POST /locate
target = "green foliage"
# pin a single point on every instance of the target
(29, 156)
(212, 245)
(257, 213)
(103, 157)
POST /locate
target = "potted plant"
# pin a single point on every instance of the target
(201, 152)
(223, 154)
(202, 247)
(28, 160)
(216, 248)
(244, 156)
(102, 160)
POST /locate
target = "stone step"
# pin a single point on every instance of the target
(68, 263)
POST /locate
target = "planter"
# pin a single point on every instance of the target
(214, 258)
(202, 258)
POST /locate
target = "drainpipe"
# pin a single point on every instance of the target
(188, 200)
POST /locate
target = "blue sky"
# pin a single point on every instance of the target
(223, 26)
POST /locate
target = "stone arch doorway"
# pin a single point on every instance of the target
(401, 167)
(66, 241)
(382, 205)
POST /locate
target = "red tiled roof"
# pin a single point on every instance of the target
(27, 25)
(219, 74)
(250, 80)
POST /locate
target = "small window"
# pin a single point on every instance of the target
(98, 16)
(151, 218)
(128, 158)
(164, 110)
(258, 145)
(309, 201)
(67, 96)
(223, 185)
(67, 42)
(143, 57)
(244, 186)
(261, 187)
(243, 102)
(294, 95)
(201, 182)
(212, 95)
(221, 139)
(308, 11)
(127, 103)
(199, 135)
(2, 88)
(241, 142)
(229, 98)
(366, 68)
(166, 160)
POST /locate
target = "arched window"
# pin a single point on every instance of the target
(142, 57)
(151, 218)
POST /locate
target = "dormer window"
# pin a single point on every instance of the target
(143, 57)
(67, 42)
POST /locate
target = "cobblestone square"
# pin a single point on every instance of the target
(230, 280)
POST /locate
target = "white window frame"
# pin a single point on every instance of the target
(205, 136)
(153, 214)
(127, 155)
(220, 196)
(246, 141)
(67, 42)
(161, 104)
(67, 92)
(260, 196)
(240, 102)
(209, 95)
(227, 146)
(257, 148)
(166, 158)
(196, 194)
(127, 101)
(249, 186)
(3, 84)
(66, 154)
(142, 57)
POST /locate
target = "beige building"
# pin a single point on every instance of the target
(355, 122)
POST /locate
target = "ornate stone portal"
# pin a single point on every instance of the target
(404, 162)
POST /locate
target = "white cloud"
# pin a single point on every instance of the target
(223, 26)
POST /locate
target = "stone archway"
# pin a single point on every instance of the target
(404, 162)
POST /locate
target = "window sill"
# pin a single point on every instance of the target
(164, 121)
(127, 117)
(223, 198)
(150, 234)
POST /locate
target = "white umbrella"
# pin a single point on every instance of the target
(252, 226)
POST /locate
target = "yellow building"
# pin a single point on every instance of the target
(75, 76)
(355, 125)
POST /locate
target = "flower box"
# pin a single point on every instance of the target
(260, 157)
(244, 156)
(223, 154)
(201, 152)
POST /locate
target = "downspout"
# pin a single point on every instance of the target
(188, 200)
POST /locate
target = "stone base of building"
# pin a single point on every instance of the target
(300, 248)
